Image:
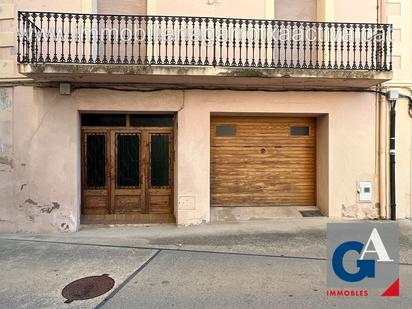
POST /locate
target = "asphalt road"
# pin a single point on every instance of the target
(235, 266)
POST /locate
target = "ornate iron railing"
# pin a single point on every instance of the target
(45, 37)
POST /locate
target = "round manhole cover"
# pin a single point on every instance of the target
(87, 288)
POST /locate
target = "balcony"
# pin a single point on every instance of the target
(178, 51)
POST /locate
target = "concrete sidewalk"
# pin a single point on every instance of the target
(264, 264)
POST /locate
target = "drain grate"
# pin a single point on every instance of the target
(311, 213)
(87, 288)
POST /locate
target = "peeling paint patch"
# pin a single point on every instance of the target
(362, 211)
(44, 216)
(65, 226)
(31, 202)
(22, 186)
(65, 223)
(48, 210)
(349, 211)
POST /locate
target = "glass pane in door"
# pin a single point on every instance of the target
(151, 120)
(95, 161)
(128, 158)
(159, 160)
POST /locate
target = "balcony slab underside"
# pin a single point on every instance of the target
(204, 76)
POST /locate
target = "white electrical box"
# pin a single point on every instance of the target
(365, 191)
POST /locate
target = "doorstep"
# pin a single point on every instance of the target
(239, 214)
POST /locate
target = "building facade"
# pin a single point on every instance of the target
(152, 111)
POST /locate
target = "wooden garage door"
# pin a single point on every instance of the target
(263, 161)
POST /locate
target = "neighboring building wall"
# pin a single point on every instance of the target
(7, 171)
(399, 13)
(7, 69)
(403, 158)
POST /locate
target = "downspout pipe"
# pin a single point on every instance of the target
(393, 96)
(392, 159)
(383, 157)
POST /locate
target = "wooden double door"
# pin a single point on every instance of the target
(127, 175)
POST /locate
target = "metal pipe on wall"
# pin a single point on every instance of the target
(392, 159)
(392, 96)
(382, 124)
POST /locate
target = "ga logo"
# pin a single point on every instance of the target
(366, 267)
(364, 256)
